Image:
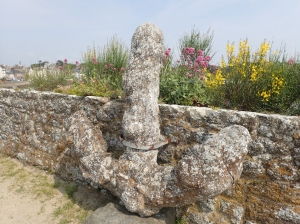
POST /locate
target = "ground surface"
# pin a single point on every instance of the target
(14, 85)
(29, 195)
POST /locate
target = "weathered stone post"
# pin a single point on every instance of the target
(144, 186)
(141, 85)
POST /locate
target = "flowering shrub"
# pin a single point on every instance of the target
(108, 63)
(197, 41)
(182, 83)
(103, 70)
(262, 80)
(251, 80)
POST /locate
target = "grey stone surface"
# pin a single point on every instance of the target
(287, 214)
(114, 213)
(30, 130)
(140, 122)
(145, 187)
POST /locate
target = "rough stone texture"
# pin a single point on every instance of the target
(117, 214)
(145, 187)
(140, 122)
(136, 178)
(34, 128)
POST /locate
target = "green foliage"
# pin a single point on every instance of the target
(180, 221)
(39, 65)
(183, 82)
(91, 87)
(177, 88)
(197, 41)
(71, 189)
(103, 71)
(289, 97)
(49, 79)
(108, 63)
(255, 81)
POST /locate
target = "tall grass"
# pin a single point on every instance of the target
(103, 70)
(198, 41)
(48, 79)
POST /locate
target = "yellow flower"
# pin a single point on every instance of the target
(223, 63)
(253, 76)
(230, 49)
(266, 95)
(213, 81)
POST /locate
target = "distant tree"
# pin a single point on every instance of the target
(59, 63)
(39, 65)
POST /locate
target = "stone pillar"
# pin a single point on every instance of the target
(141, 85)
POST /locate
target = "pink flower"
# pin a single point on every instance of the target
(197, 70)
(105, 66)
(291, 61)
(177, 61)
(200, 53)
(167, 52)
(77, 63)
(114, 69)
(189, 50)
(93, 59)
(207, 58)
(66, 60)
(227, 102)
(188, 75)
(110, 65)
(122, 69)
(186, 50)
(95, 62)
(60, 67)
(192, 50)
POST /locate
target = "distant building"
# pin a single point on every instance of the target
(2, 71)
(10, 76)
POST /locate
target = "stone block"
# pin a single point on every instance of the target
(114, 213)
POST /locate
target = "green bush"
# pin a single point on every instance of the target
(197, 41)
(182, 82)
(91, 87)
(261, 80)
(49, 79)
(103, 71)
(255, 81)
(108, 64)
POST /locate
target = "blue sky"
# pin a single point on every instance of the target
(33, 30)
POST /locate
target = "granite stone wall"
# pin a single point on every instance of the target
(35, 128)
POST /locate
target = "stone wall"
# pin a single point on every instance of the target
(35, 128)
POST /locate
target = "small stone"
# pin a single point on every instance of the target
(207, 205)
(117, 214)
